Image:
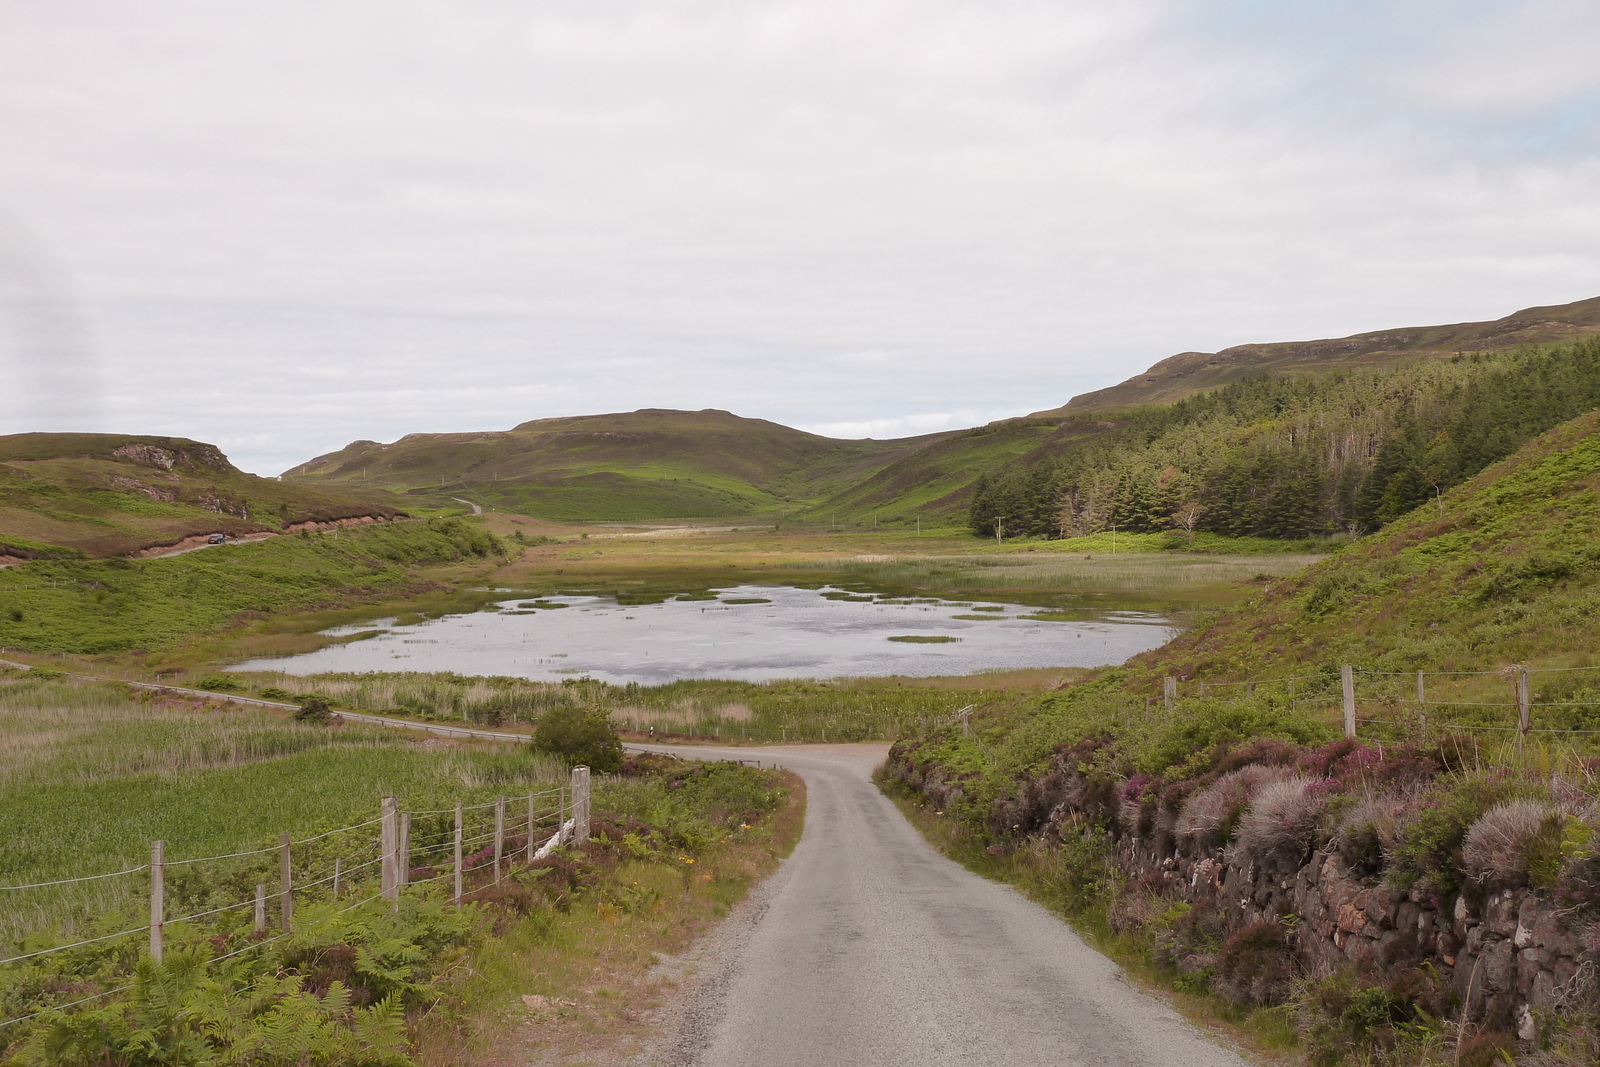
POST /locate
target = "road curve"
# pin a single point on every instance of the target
(870, 948)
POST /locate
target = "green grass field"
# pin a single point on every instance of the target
(90, 776)
(101, 606)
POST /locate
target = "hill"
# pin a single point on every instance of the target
(1314, 435)
(648, 464)
(1297, 455)
(1204, 812)
(1189, 373)
(69, 495)
(1503, 569)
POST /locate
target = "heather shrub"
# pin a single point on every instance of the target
(1368, 832)
(1577, 885)
(1208, 727)
(1428, 850)
(1210, 817)
(1255, 966)
(1282, 819)
(1498, 847)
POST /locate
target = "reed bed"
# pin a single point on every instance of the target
(90, 776)
(1067, 573)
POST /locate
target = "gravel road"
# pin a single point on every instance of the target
(869, 948)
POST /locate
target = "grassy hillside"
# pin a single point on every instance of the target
(1502, 569)
(935, 480)
(1188, 373)
(117, 605)
(1334, 408)
(65, 496)
(1295, 456)
(650, 464)
(1216, 844)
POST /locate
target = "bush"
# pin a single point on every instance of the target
(1211, 816)
(314, 709)
(582, 737)
(220, 683)
(1368, 834)
(1211, 726)
(1511, 840)
(1255, 966)
(1429, 846)
(1282, 820)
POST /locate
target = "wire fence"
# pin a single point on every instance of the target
(1400, 700)
(472, 842)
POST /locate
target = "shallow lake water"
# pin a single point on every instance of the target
(748, 633)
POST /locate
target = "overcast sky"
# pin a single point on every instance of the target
(283, 226)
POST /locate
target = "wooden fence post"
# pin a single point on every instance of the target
(1347, 678)
(1422, 688)
(458, 855)
(580, 803)
(528, 849)
(499, 835)
(286, 874)
(1169, 690)
(403, 869)
(261, 907)
(1524, 708)
(158, 899)
(338, 870)
(561, 814)
(389, 837)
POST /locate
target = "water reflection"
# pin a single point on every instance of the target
(747, 633)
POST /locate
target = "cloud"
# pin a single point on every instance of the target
(298, 224)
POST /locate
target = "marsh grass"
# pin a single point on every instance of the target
(90, 776)
(846, 709)
(1058, 572)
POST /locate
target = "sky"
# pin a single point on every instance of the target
(284, 226)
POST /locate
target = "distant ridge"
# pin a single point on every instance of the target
(658, 463)
(1188, 373)
(654, 463)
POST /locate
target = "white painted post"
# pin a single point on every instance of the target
(580, 803)
(389, 836)
(286, 875)
(1347, 678)
(458, 855)
(261, 907)
(499, 835)
(1524, 706)
(1169, 690)
(158, 899)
